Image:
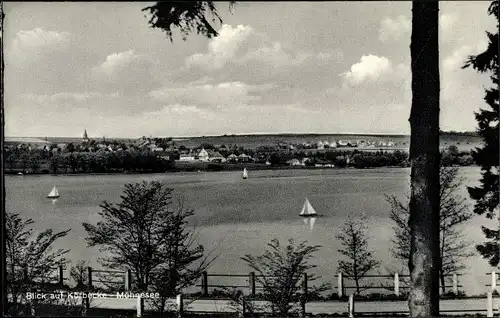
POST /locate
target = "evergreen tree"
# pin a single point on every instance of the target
(487, 157)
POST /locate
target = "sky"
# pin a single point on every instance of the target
(276, 67)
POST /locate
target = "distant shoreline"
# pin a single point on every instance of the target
(182, 138)
(236, 168)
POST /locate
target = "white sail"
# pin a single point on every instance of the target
(245, 173)
(54, 193)
(307, 209)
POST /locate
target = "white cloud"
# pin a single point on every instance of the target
(117, 62)
(126, 72)
(455, 61)
(32, 44)
(370, 68)
(59, 97)
(447, 21)
(393, 29)
(243, 44)
(219, 95)
(221, 48)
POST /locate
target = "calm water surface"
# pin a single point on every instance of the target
(235, 217)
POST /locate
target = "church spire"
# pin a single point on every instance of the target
(85, 136)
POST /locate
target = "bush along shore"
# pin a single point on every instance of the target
(132, 160)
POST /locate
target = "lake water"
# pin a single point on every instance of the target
(235, 217)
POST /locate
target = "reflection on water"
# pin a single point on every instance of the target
(310, 221)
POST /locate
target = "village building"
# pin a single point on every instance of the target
(244, 158)
(85, 136)
(202, 155)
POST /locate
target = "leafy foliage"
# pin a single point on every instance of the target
(453, 213)
(29, 261)
(280, 271)
(359, 259)
(187, 16)
(149, 235)
(487, 194)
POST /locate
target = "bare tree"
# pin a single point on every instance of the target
(280, 272)
(424, 158)
(360, 261)
(453, 247)
(29, 261)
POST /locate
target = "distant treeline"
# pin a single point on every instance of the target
(459, 133)
(146, 161)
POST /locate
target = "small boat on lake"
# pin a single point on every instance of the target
(308, 210)
(54, 193)
(245, 173)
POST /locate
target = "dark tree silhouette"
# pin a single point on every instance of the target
(29, 261)
(487, 157)
(188, 16)
(424, 158)
(148, 235)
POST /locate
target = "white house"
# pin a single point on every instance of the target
(215, 156)
(333, 144)
(294, 162)
(341, 143)
(232, 157)
(186, 157)
(244, 158)
(203, 155)
(320, 145)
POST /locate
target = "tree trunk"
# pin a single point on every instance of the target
(356, 279)
(424, 156)
(4, 300)
(443, 282)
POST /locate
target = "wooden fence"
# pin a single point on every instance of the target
(252, 285)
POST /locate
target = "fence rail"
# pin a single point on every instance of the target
(252, 284)
(252, 281)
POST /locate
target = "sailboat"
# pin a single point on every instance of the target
(54, 193)
(308, 210)
(245, 173)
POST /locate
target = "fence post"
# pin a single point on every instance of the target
(340, 285)
(180, 305)
(489, 305)
(140, 306)
(61, 276)
(304, 296)
(204, 283)
(252, 283)
(243, 306)
(396, 284)
(128, 282)
(455, 284)
(493, 281)
(350, 308)
(89, 269)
